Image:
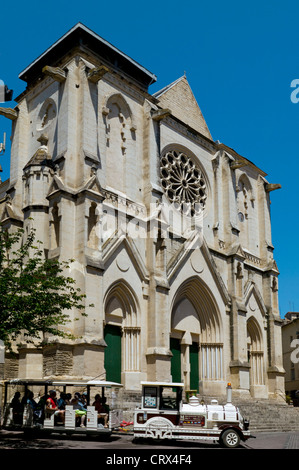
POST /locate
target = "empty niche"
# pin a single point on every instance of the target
(46, 115)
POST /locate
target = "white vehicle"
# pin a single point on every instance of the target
(163, 416)
(71, 420)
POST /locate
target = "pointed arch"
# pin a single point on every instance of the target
(122, 311)
(124, 108)
(196, 329)
(251, 289)
(127, 299)
(204, 303)
(243, 183)
(255, 350)
(245, 205)
(114, 243)
(254, 334)
(120, 144)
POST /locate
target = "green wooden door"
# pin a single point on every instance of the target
(175, 348)
(112, 361)
(194, 366)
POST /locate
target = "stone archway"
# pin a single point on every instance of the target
(255, 352)
(122, 331)
(196, 336)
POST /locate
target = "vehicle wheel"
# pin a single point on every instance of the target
(230, 438)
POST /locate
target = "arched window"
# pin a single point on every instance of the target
(245, 205)
(120, 143)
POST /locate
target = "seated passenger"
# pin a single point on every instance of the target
(104, 403)
(17, 408)
(80, 410)
(31, 401)
(24, 399)
(40, 409)
(62, 401)
(52, 406)
(33, 404)
(84, 399)
(102, 409)
(68, 398)
(51, 403)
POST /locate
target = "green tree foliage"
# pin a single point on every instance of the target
(35, 294)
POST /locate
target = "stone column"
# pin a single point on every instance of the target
(158, 353)
(239, 366)
(275, 372)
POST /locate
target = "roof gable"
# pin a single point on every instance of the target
(179, 97)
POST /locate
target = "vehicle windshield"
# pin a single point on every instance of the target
(169, 398)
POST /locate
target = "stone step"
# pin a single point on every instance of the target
(271, 417)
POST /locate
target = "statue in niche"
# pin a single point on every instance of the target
(92, 226)
(47, 114)
(239, 271)
(55, 231)
(274, 285)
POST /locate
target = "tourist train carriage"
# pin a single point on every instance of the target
(47, 422)
(163, 416)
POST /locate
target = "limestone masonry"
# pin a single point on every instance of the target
(170, 230)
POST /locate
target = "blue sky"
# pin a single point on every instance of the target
(240, 59)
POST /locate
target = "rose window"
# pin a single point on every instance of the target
(183, 182)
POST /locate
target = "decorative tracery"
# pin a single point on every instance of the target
(183, 182)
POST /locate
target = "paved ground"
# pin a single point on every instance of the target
(274, 440)
(124, 442)
(123, 450)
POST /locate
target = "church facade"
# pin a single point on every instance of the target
(169, 230)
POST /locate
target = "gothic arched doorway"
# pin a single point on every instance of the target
(196, 336)
(121, 333)
(255, 353)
